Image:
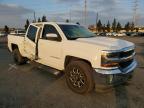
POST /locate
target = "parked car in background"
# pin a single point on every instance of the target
(96, 33)
(117, 34)
(128, 33)
(102, 34)
(113, 34)
(134, 34)
(140, 33)
(120, 34)
(131, 33)
(2, 34)
(18, 32)
(109, 34)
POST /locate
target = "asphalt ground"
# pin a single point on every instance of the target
(29, 86)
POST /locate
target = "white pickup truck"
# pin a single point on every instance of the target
(88, 61)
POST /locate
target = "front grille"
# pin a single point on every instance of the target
(126, 53)
(125, 64)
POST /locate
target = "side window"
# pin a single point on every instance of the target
(48, 29)
(32, 33)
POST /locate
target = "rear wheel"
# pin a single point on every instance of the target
(18, 57)
(79, 77)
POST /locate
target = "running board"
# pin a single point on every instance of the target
(51, 70)
(46, 68)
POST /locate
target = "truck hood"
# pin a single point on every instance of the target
(106, 43)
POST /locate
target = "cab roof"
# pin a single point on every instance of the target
(58, 23)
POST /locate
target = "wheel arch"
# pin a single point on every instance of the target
(69, 58)
(14, 46)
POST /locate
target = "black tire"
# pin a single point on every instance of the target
(18, 59)
(79, 77)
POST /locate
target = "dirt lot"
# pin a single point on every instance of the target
(28, 86)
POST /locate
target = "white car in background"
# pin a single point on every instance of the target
(120, 34)
(2, 34)
(113, 34)
(18, 32)
(109, 34)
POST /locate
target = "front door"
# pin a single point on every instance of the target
(50, 49)
(30, 42)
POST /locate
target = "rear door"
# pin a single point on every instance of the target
(30, 42)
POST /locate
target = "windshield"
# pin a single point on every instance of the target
(76, 31)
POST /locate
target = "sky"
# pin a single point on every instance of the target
(15, 12)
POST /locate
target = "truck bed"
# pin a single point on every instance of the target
(15, 39)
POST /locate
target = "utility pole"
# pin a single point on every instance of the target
(34, 17)
(70, 14)
(97, 17)
(135, 9)
(85, 10)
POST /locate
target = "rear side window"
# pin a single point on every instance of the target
(32, 33)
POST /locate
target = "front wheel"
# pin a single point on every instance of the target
(79, 77)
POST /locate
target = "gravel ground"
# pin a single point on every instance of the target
(28, 86)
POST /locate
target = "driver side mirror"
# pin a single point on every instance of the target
(51, 36)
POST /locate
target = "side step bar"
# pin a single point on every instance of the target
(46, 68)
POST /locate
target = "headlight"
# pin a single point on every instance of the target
(110, 59)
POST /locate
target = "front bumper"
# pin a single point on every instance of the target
(108, 78)
(126, 70)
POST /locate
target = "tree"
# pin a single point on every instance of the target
(6, 29)
(127, 27)
(99, 26)
(119, 27)
(114, 25)
(27, 24)
(67, 20)
(137, 29)
(91, 27)
(132, 26)
(44, 19)
(39, 20)
(108, 27)
(104, 28)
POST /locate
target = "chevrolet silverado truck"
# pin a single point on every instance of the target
(89, 61)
